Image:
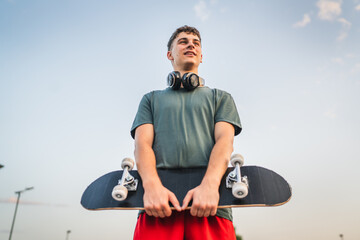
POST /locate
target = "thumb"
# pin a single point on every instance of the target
(187, 199)
(174, 201)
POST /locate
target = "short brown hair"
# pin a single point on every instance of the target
(186, 29)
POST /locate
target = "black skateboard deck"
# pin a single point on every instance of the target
(265, 188)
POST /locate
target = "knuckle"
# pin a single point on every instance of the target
(163, 205)
(168, 213)
(157, 208)
(147, 207)
(202, 208)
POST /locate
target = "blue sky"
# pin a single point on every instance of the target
(73, 72)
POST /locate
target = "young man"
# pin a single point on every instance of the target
(185, 125)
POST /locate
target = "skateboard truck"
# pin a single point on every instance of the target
(234, 180)
(126, 183)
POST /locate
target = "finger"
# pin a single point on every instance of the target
(148, 212)
(199, 211)
(155, 213)
(174, 201)
(213, 211)
(161, 213)
(187, 199)
(148, 209)
(194, 211)
(166, 210)
(167, 213)
(207, 213)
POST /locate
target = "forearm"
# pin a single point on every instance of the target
(220, 154)
(206, 195)
(218, 162)
(156, 196)
(145, 156)
(146, 164)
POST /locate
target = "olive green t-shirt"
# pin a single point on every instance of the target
(184, 123)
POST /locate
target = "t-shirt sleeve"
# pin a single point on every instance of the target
(226, 110)
(143, 115)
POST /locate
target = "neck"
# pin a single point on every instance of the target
(186, 68)
(182, 71)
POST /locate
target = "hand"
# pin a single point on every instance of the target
(205, 200)
(156, 201)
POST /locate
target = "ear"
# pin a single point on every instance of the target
(201, 58)
(169, 56)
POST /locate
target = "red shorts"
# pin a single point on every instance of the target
(181, 225)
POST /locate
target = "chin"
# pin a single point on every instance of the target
(190, 65)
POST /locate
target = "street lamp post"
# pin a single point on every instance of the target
(67, 234)
(17, 203)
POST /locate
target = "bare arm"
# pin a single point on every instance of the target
(206, 195)
(156, 196)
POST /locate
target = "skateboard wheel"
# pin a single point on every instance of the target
(239, 190)
(237, 158)
(119, 193)
(127, 162)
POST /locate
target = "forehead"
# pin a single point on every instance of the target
(191, 36)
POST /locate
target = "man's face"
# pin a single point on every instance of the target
(185, 53)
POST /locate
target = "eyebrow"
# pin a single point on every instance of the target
(184, 38)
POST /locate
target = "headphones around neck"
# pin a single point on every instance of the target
(189, 80)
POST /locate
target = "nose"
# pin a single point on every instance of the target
(190, 45)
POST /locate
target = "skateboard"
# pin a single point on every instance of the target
(241, 186)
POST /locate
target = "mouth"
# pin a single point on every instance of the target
(189, 53)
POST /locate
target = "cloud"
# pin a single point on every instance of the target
(305, 21)
(202, 11)
(204, 8)
(357, 7)
(332, 112)
(338, 60)
(344, 22)
(343, 35)
(356, 68)
(346, 25)
(329, 10)
(350, 55)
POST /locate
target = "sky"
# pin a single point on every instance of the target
(72, 74)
